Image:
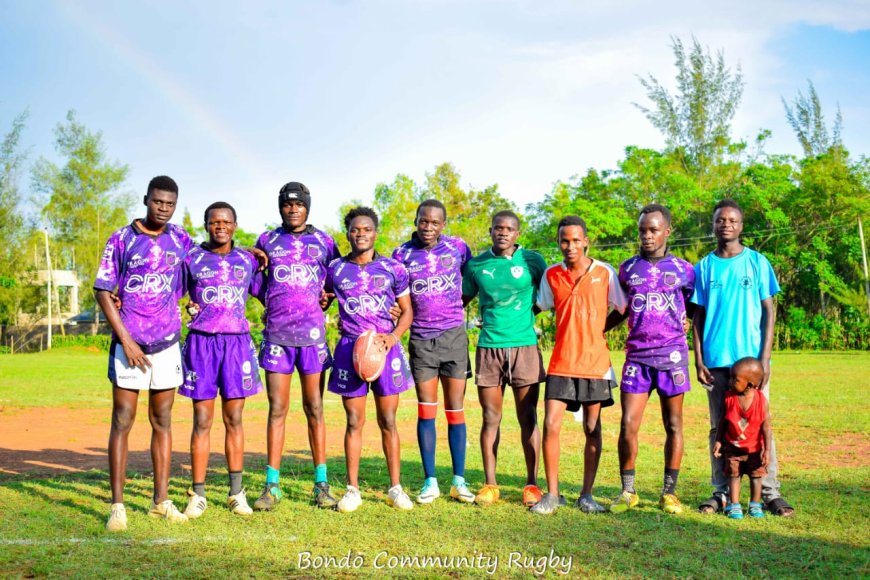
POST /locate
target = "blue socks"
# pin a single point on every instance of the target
(320, 473)
(456, 438)
(426, 437)
(272, 475)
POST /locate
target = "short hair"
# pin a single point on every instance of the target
(506, 213)
(728, 203)
(219, 205)
(751, 365)
(360, 211)
(572, 220)
(163, 183)
(430, 203)
(656, 207)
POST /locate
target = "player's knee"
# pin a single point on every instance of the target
(387, 421)
(674, 426)
(123, 418)
(552, 425)
(355, 421)
(491, 418)
(161, 422)
(278, 410)
(629, 426)
(313, 410)
(592, 430)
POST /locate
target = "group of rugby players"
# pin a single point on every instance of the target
(296, 271)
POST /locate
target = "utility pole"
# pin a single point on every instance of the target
(48, 297)
(864, 259)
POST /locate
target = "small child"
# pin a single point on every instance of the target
(744, 436)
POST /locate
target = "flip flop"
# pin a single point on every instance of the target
(711, 506)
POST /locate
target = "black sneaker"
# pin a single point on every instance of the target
(322, 497)
(269, 499)
(548, 504)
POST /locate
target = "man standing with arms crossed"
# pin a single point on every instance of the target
(506, 277)
(295, 335)
(734, 318)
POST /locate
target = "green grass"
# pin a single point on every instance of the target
(54, 526)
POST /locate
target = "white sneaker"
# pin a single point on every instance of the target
(429, 492)
(461, 493)
(196, 505)
(117, 519)
(398, 499)
(167, 510)
(238, 504)
(351, 500)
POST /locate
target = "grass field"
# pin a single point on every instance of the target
(53, 524)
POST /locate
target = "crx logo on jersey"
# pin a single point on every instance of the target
(653, 301)
(295, 273)
(434, 284)
(365, 304)
(223, 295)
(149, 283)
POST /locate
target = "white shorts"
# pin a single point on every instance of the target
(164, 372)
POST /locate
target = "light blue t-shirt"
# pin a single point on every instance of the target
(731, 290)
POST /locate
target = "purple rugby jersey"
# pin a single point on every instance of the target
(435, 284)
(366, 292)
(297, 270)
(657, 296)
(147, 272)
(219, 285)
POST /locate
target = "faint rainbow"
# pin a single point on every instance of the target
(170, 87)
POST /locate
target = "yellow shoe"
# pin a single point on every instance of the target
(487, 495)
(166, 510)
(670, 504)
(532, 494)
(624, 502)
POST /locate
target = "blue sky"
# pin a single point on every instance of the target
(235, 99)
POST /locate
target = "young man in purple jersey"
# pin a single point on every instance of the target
(366, 285)
(143, 262)
(219, 355)
(439, 343)
(659, 286)
(295, 335)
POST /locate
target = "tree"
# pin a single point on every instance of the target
(11, 221)
(808, 123)
(83, 203)
(696, 119)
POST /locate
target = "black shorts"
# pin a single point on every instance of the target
(575, 391)
(446, 355)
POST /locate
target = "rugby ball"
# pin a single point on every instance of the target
(369, 357)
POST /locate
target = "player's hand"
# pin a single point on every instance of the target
(395, 312)
(135, 356)
(765, 364)
(385, 341)
(192, 309)
(261, 256)
(325, 299)
(717, 449)
(705, 377)
(116, 300)
(765, 458)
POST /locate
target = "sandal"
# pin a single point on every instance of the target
(755, 509)
(711, 506)
(734, 511)
(779, 507)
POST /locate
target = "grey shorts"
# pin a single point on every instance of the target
(446, 355)
(517, 366)
(575, 391)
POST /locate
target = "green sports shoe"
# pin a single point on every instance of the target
(269, 499)
(624, 502)
(322, 496)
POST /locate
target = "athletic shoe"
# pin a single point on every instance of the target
(322, 496)
(734, 511)
(548, 504)
(398, 499)
(429, 492)
(269, 499)
(756, 509)
(587, 505)
(167, 511)
(532, 495)
(351, 500)
(670, 504)
(487, 495)
(461, 493)
(196, 505)
(238, 504)
(117, 518)
(625, 501)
